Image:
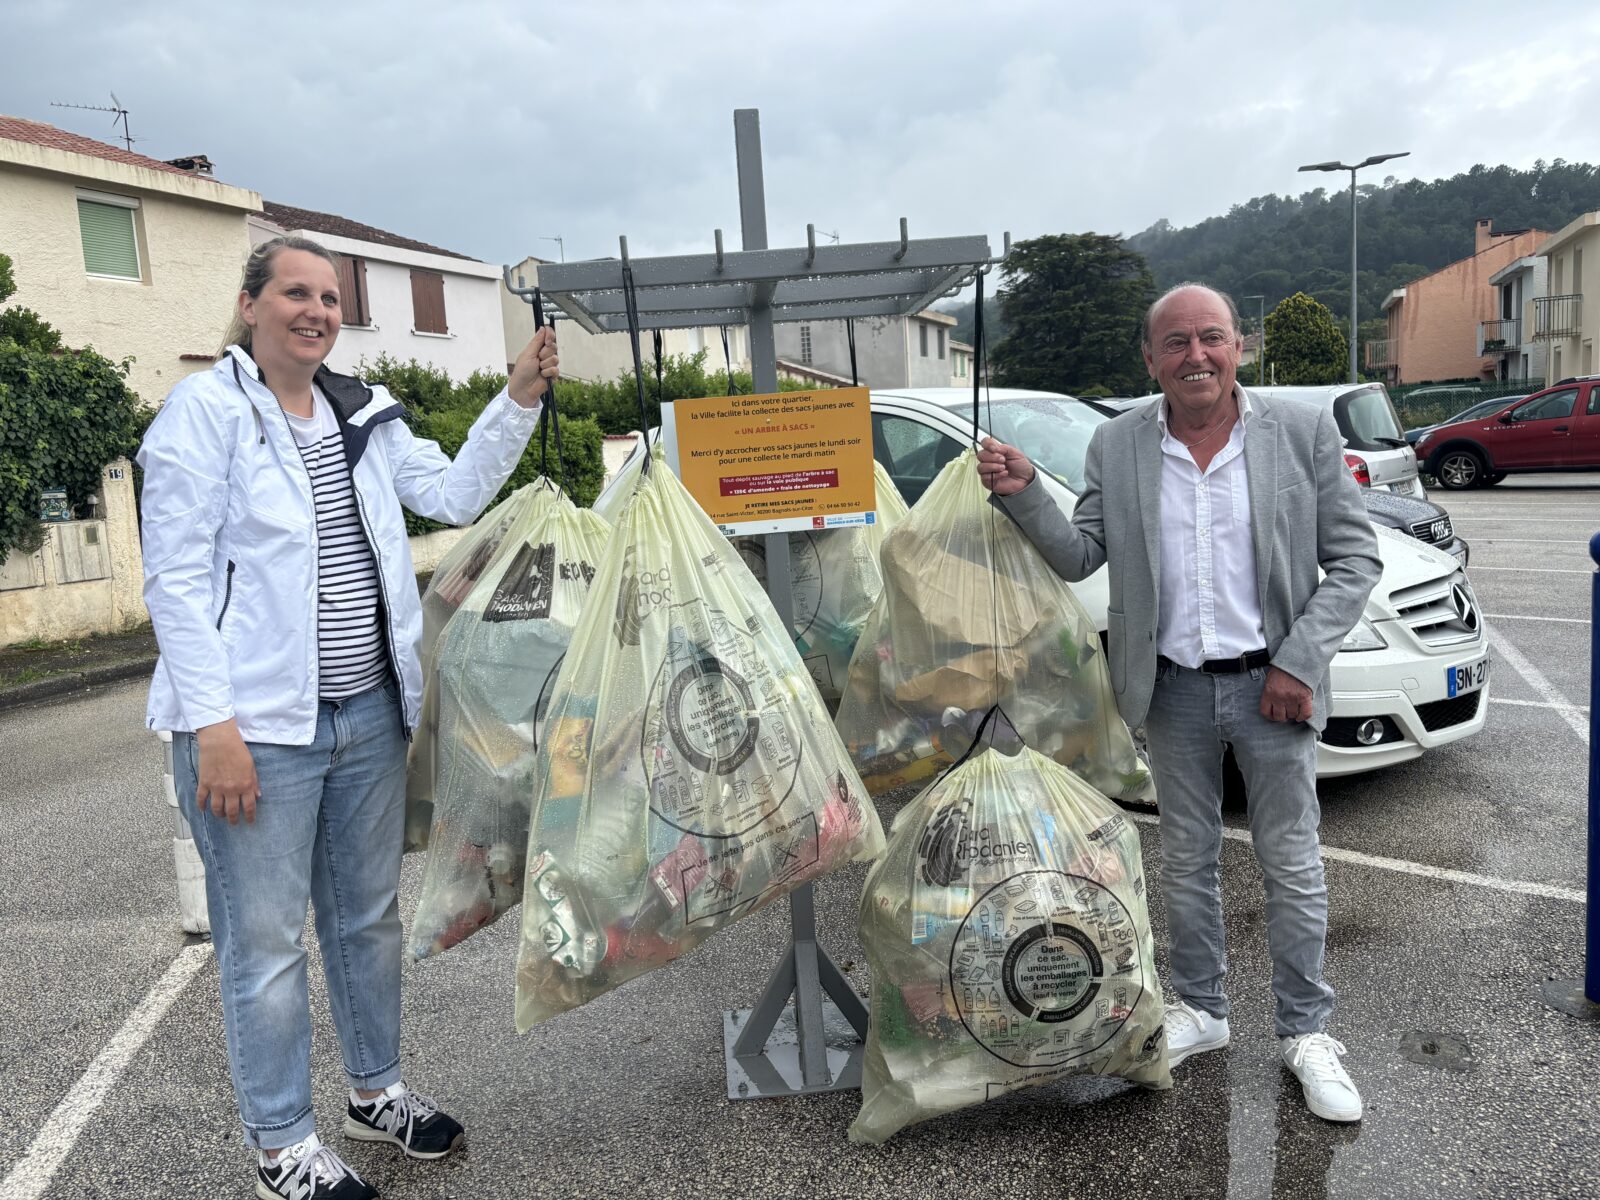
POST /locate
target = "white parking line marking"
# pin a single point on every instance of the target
(1578, 708)
(1494, 541)
(1525, 617)
(1521, 887)
(1536, 680)
(1475, 568)
(30, 1177)
(1523, 519)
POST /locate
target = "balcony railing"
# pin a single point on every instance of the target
(1500, 337)
(1383, 352)
(1557, 316)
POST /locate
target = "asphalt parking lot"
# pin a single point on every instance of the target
(1456, 889)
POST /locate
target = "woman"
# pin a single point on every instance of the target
(280, 585)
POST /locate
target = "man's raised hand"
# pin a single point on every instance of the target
(1004, 469)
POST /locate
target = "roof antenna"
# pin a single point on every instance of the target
(121, 115)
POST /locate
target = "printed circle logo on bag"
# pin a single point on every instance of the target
(708, 708)
(716, 745)
(1045, 968)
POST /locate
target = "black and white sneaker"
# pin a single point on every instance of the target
(405, 1119)
(308, 1170)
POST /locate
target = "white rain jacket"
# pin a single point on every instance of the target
(230, 541)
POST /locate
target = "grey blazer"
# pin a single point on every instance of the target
(1305, 512)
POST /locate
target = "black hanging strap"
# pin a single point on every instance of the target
(630, 301)
(727, 359)
(977, 355)
(850, 336)
(549, 418)
(977, 739)
(655, 339)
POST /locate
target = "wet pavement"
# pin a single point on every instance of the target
(1474, 1088)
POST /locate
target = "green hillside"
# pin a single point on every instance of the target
(1278, 245)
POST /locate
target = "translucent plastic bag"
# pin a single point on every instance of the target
(1009, 940)
(836, 578)
(690, 773)
(495, 667)
(455, 577)
(970, 616)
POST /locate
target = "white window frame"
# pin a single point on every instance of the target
(113, 201)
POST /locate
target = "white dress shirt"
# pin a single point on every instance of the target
(1209, 606)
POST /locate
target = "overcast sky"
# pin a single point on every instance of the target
(485, 126)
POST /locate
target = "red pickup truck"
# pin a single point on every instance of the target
(1557, 429)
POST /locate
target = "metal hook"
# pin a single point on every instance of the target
(623, 239)
(905, 241)
(719, 251)
(811, 244)
(1006, 253)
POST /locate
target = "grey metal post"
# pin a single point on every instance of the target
(1370, 160)
(802, 973)
(1353, 317)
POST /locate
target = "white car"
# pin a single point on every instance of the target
(1412, 675)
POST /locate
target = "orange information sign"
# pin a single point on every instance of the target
(780, 461)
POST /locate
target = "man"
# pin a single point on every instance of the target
(1214, 510)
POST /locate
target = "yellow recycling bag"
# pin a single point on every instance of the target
(1009, 939)
(689, 775)
(495, 667)
(971, 615)
(836, 577)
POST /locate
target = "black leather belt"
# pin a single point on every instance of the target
(1249, 661)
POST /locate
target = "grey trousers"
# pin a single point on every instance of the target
(1193, 717)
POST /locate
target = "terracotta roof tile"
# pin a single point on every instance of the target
(18, 129)
(290, 217)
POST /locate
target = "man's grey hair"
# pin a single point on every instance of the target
(1149, 313)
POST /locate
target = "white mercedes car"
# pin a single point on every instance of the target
(1412, 675)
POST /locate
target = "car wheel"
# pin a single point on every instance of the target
(1493, 478)
(1459, 469)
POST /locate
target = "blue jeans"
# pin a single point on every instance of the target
(1193, 718)
(328, 829)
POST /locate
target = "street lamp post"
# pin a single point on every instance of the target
(1339, 166)
(1261, 336)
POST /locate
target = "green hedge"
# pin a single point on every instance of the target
(64, 414)
(440, 409)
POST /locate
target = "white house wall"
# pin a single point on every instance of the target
(192, 246)
(476, 341)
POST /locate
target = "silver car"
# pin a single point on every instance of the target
(1375, 447)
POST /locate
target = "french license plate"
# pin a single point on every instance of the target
(1462, 680)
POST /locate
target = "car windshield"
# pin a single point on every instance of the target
(1481, 409)
(1367, 420)
(1052, 431)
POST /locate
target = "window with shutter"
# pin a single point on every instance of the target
(353, 309)
(427, 302)
(110, 244)
(941, 343)
(922, 331)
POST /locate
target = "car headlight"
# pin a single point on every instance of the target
(1364, 636)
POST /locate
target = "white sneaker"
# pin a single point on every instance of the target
(1314, 1059)
(1191, 1031)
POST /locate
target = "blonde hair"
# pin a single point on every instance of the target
(257, 274)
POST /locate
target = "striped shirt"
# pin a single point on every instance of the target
(351, 655)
